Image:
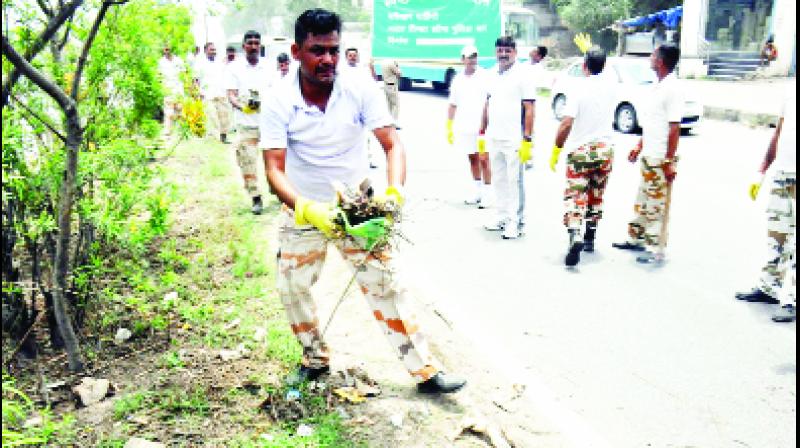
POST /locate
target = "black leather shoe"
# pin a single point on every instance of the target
(441, 383)
(304, 374)
(258, 206)
(588, 238)
(574, 254)
(756, 296)
(628, 246)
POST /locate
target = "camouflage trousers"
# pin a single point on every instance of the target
(779, 275)
(218, 112)
(392, 96)
(302, 254)
(649, 211)
(588, 168)
(246, 146)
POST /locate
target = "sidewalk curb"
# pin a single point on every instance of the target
(751, 119)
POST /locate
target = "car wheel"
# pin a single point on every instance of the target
(559, 102)
(625, 119)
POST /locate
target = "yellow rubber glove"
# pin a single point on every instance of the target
(554, 157)
(583, 41)
(392, 194)
(755, 187)
(481, 144)
(318, 214)
(450, 136)
(247, 110)
(525, 148)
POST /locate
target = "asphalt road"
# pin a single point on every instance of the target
(616, 354)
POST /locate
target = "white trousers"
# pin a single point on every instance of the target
(508, 177)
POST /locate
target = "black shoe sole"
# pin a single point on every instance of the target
(574, 255)
(629, 247)
(588, 247)
(440, 390)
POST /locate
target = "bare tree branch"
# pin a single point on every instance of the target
(25, 68)
(39, 118)
(76, 80)
(65, 12)
(46, 9)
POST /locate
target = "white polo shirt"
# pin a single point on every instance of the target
(591, 103)
(247, 78)
(507, 90)
(324, 147)
(664, 106)
(170, 71)
(211, 75)
(786, 158)
(468, 94)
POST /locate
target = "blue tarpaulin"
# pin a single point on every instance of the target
(669, 17)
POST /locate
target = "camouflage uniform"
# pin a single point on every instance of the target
(303, 251)
(647, 226)
(588, 168)
(247, 157)
(778, 277)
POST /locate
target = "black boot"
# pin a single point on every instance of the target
(441, 383)
(756, 295)
(223, 138)
(258, 207)
(588, 238)
(304, 374)
(575, 248)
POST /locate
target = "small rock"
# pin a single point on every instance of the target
(92, 390)
(232, 324)
(304, 430)
(293, 395)
(33, 421)
(260, 335)
(397, 420)
(420, 413)
(171, 296)
(123, 334)
(267, 437)
(55, 385)
(229, 355)
(342, 413)
(136, 442)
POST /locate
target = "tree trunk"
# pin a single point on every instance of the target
(61, 266)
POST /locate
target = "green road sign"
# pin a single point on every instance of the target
(434, 29)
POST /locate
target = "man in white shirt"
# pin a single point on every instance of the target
(778, 283)
(248, 81)
(313, 136)
(170, 68)
(658, 147)
(468, 93)
(586, 133)
(508, 126)
(211, 77)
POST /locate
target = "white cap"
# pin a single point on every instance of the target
(468, 51)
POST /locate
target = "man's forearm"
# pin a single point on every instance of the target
(396, 164)
(233, 99)
(530, 114)
(772, 149)
(674, 137)
(563, 131)
(278, 180)
(451, 112)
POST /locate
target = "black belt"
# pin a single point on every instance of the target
(389, 83)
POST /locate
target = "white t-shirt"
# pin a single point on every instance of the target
(507, 90)
(324, 147)
(468, 93)
(786, 158)
(591, 103)
(536, 74)
(664, 106)
(359, 70)
(211, 75)
(170, 71)
(250, 81)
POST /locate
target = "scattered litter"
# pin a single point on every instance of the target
(349, 394)
(293, 395)
(232, 355)
(362, 420)
(480, 427)
(397, 420)
(123, 334)
(304, 430)
(55, 385)
(367, 389)
(32, 422)
(267, 437)
(136, 442)
(92, 390)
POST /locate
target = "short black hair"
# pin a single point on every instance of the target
(595, 59)
(542, 50)
(351, 49)
(230, 50)
(317, 22)
(505, 41)
(282, 58)
(251, 33)
(670, 54)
